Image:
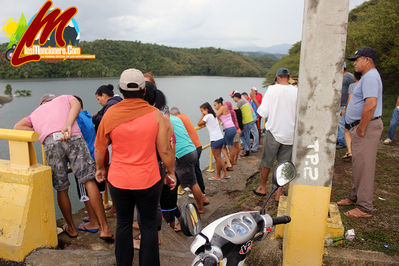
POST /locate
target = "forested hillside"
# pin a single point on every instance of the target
(112, 57)
(374, 23)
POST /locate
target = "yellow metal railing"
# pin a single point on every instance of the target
(105, 195)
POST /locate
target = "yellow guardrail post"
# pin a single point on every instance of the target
(27, 215)
(210, 168)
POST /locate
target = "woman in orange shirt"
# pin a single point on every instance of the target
(137, 130)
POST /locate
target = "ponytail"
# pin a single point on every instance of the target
(219, 100)
(105, 89)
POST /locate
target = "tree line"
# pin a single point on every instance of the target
(112, 57)
(375, 23)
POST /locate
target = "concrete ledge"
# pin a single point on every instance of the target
(44, 257)
(269, 252)
(335, 228)
(339, 256)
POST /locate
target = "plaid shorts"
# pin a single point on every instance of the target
(76, 153)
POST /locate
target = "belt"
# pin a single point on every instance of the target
(357, 122)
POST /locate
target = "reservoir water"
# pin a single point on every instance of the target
(187, 93)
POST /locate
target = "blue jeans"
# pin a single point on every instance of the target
(394, 123)
(248, 129)
(341, 129)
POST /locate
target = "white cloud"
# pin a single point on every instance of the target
(183, 23)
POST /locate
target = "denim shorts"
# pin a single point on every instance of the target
(217, 144)
(229, 134)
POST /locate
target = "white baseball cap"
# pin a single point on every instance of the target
(132, 75)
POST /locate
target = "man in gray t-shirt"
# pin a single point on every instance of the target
(363, 116)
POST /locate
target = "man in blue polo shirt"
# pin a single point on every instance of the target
(363, 118)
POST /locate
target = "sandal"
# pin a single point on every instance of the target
(347, 156)
(214, 178)
(356, 213)
(82, 227)
(65, 228)
(345, 202)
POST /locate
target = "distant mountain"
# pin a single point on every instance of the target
(112, 57)
(279, 49)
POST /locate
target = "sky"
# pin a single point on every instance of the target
(229, 24)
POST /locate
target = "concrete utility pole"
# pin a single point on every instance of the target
(319, 94)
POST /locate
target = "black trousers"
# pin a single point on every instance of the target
(198, 172)
(147, 201)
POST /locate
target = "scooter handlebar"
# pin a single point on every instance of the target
(281, 220)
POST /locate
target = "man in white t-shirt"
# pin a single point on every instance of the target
(279, 107)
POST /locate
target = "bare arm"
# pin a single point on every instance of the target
(201, 122)
(23, 125)
(397, 102)
(100, 167)
(73, 114)
(164, 148)
(220, 112)
(367, 114)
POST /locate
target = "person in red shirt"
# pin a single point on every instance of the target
(258, 97)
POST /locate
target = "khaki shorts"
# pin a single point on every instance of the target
(273, 149)
(76, 153)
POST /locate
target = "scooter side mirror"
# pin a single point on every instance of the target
(284, 173)
(190, 220)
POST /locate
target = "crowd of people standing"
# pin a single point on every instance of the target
(144, 150)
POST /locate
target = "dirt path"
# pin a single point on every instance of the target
(380, 233)
(174, 250)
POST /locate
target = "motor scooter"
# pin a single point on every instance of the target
(228, 240)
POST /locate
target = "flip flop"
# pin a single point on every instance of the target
(108, 239)
(64, 227)
(213, 178)
(82, 227)
(257, 193)
(356, 213)
(226, 177)
(347, 156)
(86, 219)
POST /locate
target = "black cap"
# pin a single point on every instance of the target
(364, 51)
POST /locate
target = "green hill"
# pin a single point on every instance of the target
(374, 23)
(112, 57)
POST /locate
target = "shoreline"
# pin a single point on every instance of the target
(5, 99)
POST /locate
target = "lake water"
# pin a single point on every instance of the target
(187, 93)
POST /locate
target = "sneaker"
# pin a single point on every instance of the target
(387, 141)
(340, 147)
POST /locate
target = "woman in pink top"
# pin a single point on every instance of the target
(137, 131)
(223, 114)
(237, 146)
